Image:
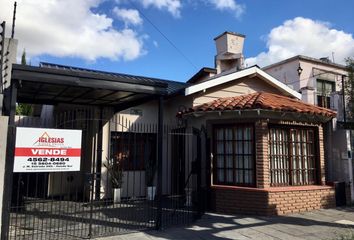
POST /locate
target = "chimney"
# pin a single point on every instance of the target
(229, 48)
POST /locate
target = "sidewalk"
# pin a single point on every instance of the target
(320, 224)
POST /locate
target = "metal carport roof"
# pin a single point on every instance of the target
(52, 85)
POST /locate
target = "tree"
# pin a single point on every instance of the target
(23, 108)
(349, 89)
(23, 58)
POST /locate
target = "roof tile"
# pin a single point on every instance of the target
(261, 100)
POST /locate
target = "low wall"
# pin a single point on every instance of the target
(239, 200)
(3, 141)
(271, 201)
(301, 199)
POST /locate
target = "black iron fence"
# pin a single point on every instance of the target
(86, 204)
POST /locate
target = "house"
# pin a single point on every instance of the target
(231, 139)
(320, 82)
(262, 142)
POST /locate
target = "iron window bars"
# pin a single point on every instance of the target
(292, 155)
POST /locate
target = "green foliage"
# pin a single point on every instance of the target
(23, 58)
(349, 88)
(115, 170)
(24, 109)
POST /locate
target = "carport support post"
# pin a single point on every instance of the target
(159, 164)
(9, 162)
(97, 174)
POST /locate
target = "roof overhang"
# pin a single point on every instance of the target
(259, 114)
(53, 86)
(307, 59)
(253, 71)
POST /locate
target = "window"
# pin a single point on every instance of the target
(324, 89)
(234, 155)
(292, 153)
(135, 149)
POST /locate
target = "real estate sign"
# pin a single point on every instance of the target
(47, 150)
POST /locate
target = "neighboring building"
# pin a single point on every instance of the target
(320, 83)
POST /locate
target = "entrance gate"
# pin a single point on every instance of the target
(71, 205)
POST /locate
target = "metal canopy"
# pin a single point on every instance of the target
(46, 85)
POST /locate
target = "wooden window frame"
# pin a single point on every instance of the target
(316, 156)
(252, 141)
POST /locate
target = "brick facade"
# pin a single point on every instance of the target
(300, 199)
(271, 201)
(262, 162)
(266, 200)
(233, 200)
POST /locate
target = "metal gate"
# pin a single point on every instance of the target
(70, 205)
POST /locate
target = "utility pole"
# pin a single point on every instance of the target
(2, 46)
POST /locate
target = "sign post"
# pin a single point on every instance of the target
(47, 150)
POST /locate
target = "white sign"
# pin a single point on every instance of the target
(47, 150)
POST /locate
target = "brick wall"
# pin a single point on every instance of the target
(322, 173)
(300, 199)
(233, 200)
(271, 201)
(262, 159)
(348, 195)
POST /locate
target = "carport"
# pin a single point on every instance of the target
(52, 84)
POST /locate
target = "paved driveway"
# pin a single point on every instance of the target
(321, 224)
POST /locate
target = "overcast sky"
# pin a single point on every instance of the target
(118, 35)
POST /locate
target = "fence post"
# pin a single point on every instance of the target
(92, 188)
(159, 164)
(99, 157)
(200, 206)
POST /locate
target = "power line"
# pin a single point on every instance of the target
(163, 35)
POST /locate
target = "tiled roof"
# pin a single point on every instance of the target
(261, 100)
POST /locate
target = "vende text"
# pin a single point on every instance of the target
(49, 152)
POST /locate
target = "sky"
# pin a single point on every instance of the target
(173, 39)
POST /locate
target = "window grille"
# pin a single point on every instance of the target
(292, 154)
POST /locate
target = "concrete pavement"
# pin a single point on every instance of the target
(321, 224)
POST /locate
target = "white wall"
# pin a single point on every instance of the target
(287, 73)
(232, 89)
(3, 140)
